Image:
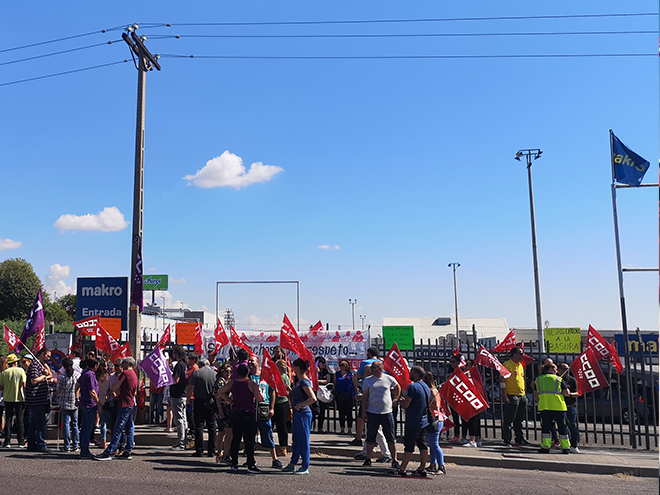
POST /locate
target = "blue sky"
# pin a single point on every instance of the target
(401, 165)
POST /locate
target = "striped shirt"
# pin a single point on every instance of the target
(36, 395)
(66, 387)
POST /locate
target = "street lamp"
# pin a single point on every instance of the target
(454, 266)
(534, 154)
(353, 302)
(163, 311)
(362, 317)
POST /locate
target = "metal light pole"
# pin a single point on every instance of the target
(529, 155)
(454, 265)
(163, 311)
(362, 317)
(352, 302)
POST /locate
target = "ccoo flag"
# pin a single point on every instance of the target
(628, 167)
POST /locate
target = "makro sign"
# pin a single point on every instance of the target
(155, 282)
(106, 297)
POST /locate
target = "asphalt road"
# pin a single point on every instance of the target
(159, 471)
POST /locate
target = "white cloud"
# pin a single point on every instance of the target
(9, 244)
(181, 280)
(153, 270)
(227, 170)
(55, 281)
(109, 220)
(328, 246)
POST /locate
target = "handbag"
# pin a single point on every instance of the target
(324, 394)
(263, 411)
(432, 427)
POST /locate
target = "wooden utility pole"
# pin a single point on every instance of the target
(145, 62)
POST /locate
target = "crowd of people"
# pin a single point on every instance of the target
(234, 405)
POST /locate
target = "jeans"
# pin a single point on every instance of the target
(514, 414)
(124, 424)
(302, 423)
(204, 414)
(104, 421)
(70, 428)
(37, 425)
(179, 417)
(156, 408)
(571, 421)
(244, 427)
(14, 409)
(437, 456)
(88, 420)
(266, 432)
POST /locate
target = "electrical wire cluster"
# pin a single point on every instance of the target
(161, 31)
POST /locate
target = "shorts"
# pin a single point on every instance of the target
(266, 433)
(414, 436)
(376, 420)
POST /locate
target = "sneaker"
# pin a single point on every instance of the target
(277, 464)
(289, 469)
(566, 451)
(234, 469)
(301, 471)
(574, 450)
(125, 456)
(178, 448)
(506, 443)
(254, 470)
(441, 470)
(385, 459)
(470, 444)
(76, 449)
(479, 444)
(359, 457)
(226, 460)
(419, 473)
(87, 456)
(395, 465)
(397, 473)
(356, 442)
(432, 469)
(556, 443)
(463, 441)
(524, 443)
(103, 456)
(366, 463)
(65, 449)
(544, 450)
(197, 454)
(6, 446)
(341, 431)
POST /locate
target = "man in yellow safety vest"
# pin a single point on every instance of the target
(549, 393)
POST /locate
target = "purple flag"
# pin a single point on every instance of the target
(156, 368)
(137, 298)
(35, 322)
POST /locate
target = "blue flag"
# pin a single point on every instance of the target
(629, 167)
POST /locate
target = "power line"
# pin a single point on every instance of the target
(58, 53)
(75, 36)
(376, 21)
(63, 73)
(398, 35)
(405, 57)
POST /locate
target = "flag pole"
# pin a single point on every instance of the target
(622, 300)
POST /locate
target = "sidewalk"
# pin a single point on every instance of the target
(590, 460)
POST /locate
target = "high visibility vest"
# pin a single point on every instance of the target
(551, 397)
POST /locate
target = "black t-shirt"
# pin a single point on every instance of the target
(571, 384)
(177, 390)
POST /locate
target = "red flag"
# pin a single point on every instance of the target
(458, 352)
(289, 338)
(525, 359)
(587, 372)
(11, 339)
(77, 344)
(271, 375)
(462, 395)
(198, 346)
(237, 342)
(477, 381)
(220, 336)
(485, 358)
(507, 344)
(445, 416)
(105, 341)
(317, 328)
(603, 349)
(87, 326)
(39, 341)
(395, 365)
(307, 355)
(123, 352)
(165, 338)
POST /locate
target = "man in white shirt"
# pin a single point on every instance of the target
(379, 390)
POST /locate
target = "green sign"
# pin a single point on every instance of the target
(154, 282)
(404, 337)
(566, 340)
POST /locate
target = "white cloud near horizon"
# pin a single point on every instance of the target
(108, 220)
(153, 269)
(328, 246)
(55, 281)
(173, 280)
(227, 170)
(9, 244)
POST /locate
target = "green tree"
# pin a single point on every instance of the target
(69, 304)
(18, 288)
